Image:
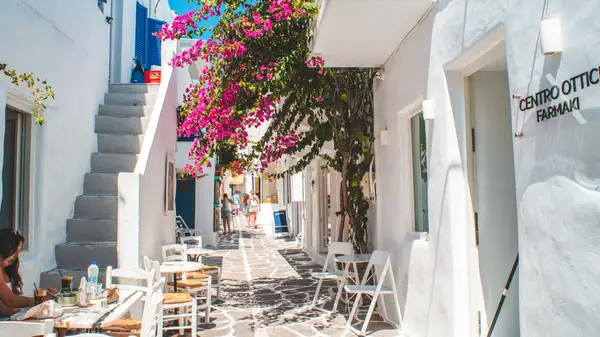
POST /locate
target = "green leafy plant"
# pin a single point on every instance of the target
(41, 91)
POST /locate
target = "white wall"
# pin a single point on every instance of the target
(556, 169)
(204, 193)
(69, 48)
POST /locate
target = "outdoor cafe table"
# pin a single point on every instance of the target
(179, 267)
(95, 317)
(347, 260)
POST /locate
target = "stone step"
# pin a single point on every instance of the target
(113, 162)
(131, 144)
(91, 230)
(51, 278)
(96, 207)
(133, 88)
(135, 99)
(100, 184)
(121, 125)
(125, 111)
(80, 255)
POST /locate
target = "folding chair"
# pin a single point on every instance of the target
(336, 248)
(27, 329)
(380, 264)
(182, 230)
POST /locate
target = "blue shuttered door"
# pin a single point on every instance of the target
(141, 19)
(152, 42)
(185, 201)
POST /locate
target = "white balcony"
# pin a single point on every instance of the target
(364, 33)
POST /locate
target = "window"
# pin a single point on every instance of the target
(14, 210)
(419, 160)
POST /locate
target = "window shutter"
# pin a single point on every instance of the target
(141, 16)
(153, 49)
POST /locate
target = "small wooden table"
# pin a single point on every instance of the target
(179, 267)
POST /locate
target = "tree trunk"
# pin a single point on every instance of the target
(344, 200)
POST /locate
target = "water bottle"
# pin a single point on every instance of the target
(92, 273)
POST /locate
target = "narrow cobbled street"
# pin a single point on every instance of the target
(267, 291)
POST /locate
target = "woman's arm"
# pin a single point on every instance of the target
(6, 311)
(11, 300)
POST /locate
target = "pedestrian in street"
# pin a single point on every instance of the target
(236, 203)
(254, 208)
(246, 208)
(226, 213)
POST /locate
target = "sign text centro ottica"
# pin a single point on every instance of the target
(567, 89)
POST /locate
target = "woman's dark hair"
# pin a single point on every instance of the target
(10, 240)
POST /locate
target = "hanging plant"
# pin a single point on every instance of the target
(41, 90)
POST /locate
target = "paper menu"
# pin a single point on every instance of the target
(49, 309)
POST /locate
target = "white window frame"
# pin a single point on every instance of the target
(413, 113)
(18, 101)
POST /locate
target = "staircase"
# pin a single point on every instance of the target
(92, 232)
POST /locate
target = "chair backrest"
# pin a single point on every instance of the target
(172, 253)
(130, 278)
(153, 265)
(337, 248)
(192, 241)
(26, 329)
(380, 263)
(152, 315)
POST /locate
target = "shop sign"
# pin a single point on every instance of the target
(561, 98)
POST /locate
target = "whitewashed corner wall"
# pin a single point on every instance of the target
(144, 223)
(556, 170)
(70, 49)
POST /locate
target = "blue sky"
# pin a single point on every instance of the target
(183, 6)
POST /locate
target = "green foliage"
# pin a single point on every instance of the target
(41, 90)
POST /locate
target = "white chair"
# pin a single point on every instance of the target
(336, 248)
(133, 279)
(151, 318)
(177, 306)
(174, 253)
(26, 329)
(381, 267)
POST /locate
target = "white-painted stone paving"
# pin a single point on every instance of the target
(267, 291)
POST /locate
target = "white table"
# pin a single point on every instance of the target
(179, 267)
(94, 317)
(347, 260)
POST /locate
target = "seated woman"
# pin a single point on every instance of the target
(11, 284)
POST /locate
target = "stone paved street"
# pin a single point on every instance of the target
(267, 290)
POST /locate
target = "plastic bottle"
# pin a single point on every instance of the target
(92, 273)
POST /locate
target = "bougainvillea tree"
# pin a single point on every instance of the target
(260, 72)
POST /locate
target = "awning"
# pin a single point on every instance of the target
(237, 180)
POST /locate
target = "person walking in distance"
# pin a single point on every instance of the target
(226, 213)
(254, 208)
(246, 208)
(236, 203)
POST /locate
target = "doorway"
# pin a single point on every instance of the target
(493, 192)
(185, 201)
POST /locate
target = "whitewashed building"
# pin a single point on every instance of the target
(102, 157)
(490, 112)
